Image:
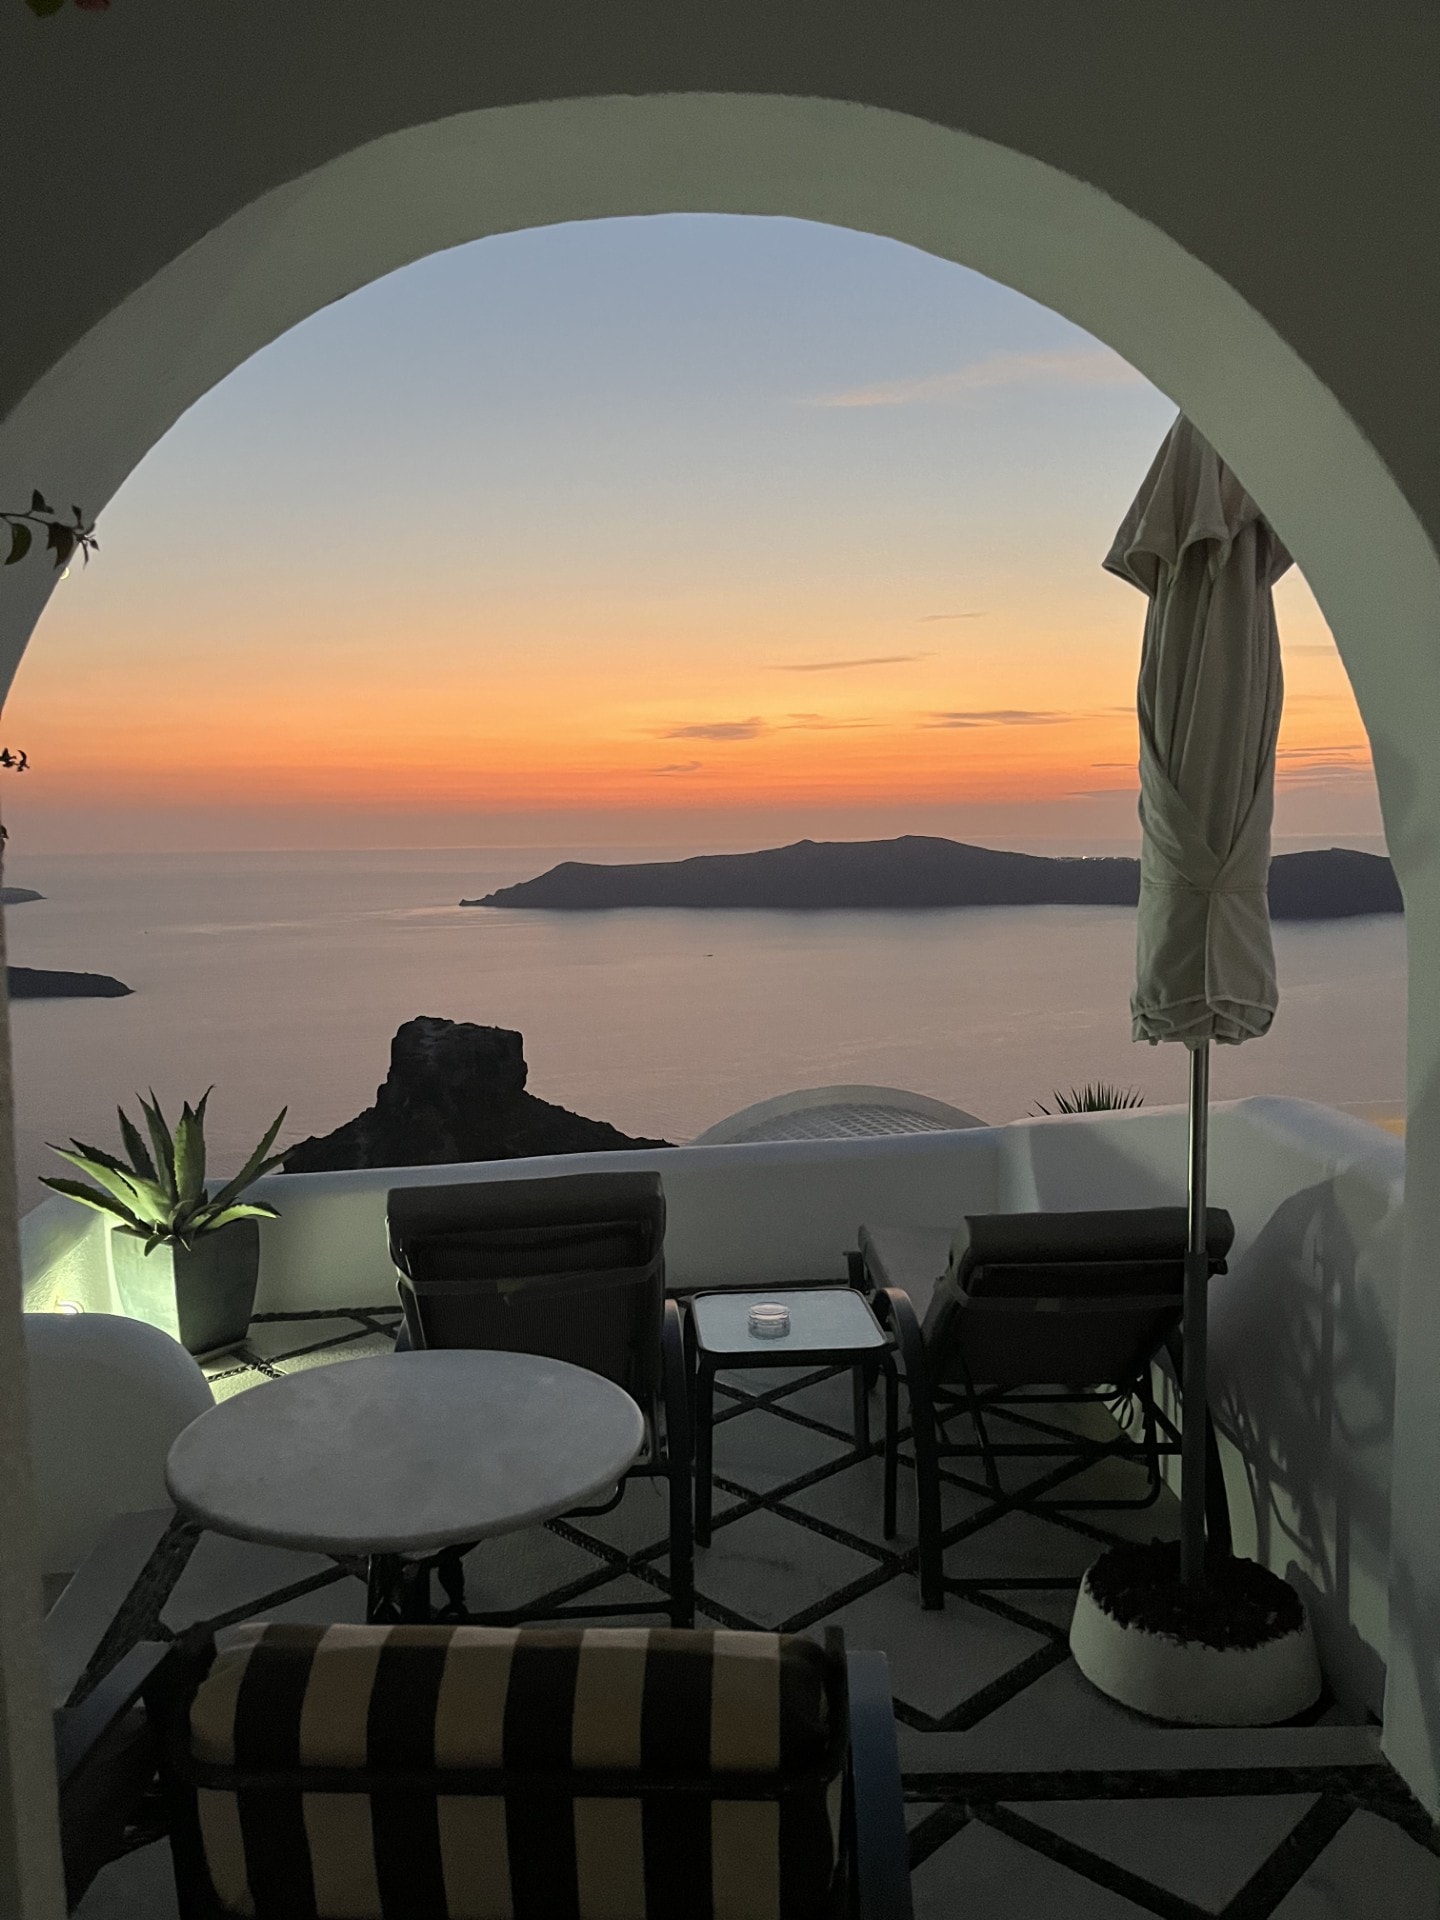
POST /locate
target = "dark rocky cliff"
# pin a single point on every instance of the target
(919, 870)
(455, 1092)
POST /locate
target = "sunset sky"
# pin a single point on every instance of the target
(686, 531)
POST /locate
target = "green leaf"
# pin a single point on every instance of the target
(254, 1166)
(20, 540)
(238, 1210)
(189, 1157)
(38, 502)
(42, 7)
(61, 542)
(98, 1155)
(135, 1146)
(164, 1146)
(142, 1196)
(88, 1197)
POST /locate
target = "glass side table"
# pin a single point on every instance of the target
(829, 1327)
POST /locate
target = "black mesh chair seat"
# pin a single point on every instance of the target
(1078, 1299)
(1039, 1309)
(572, 1267)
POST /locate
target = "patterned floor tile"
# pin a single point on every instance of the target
(760, 1450)
(769, 1570)
(641, 1522)
(853, 1500)
(368, 1347)
(1020, 1544)
(292, 1333)
(831, 1401)
(518, 1568)
(1369, 1871)
(937, 1660)
(1063, 1702)
(223, 1574)
(1204, 1850)
(984, 1875)
(141, 1886)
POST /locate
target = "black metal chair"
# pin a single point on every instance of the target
(572, 1267)
(105, 1760)
(1044, 1309)
(462, 1770)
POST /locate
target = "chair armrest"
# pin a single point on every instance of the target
(80, 1730)
(676, 1387)
(882, 1867)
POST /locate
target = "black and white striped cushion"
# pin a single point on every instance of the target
(471, 1773)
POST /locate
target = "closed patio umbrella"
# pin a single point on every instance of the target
(1209, 702)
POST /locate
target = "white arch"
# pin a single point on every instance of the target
(88, 422)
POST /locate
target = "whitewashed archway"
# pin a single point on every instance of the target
(99, 409)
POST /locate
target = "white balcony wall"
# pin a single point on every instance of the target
(739, 1216)
(1302, 1331)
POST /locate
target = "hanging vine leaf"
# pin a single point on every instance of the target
(62, 538)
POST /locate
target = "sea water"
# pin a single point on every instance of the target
(281, 977)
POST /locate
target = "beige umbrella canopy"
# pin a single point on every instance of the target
(1209, 704)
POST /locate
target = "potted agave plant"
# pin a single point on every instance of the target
(185, 1259)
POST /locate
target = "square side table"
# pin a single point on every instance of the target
(829, 1326)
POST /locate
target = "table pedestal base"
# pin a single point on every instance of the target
(397, 1590)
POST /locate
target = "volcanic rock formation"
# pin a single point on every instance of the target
(455, 1092)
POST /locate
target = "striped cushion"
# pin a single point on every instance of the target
(315, 1753)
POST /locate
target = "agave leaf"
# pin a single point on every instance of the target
(254, 1166)
(189, 1156)
(163, 1144)
(237, 1210)
(112, 1179)
(135, 1146)
(91, 1197)
(146, 1196)
(100, 1156)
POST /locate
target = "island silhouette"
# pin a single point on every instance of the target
(922, 870)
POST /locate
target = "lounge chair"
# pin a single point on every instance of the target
(572, 1267)
(1037, 1310)
(447, 1771)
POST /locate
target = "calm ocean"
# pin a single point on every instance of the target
(281, 977)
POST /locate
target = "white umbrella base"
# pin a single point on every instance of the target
(1189, 1682)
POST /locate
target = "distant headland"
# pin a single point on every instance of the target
(920, 870)
(47, 983)
(44, 983)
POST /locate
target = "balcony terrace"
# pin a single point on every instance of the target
(1028, 1792)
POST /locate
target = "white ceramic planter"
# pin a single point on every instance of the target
(1183, 1680)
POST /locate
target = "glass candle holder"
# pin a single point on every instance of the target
(770, 1322)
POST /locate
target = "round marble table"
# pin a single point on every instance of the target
(402, 1455)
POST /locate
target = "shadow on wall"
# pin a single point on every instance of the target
(1302, 1340)
(1303, 1370)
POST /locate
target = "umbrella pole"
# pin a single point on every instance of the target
(1197, 1285)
